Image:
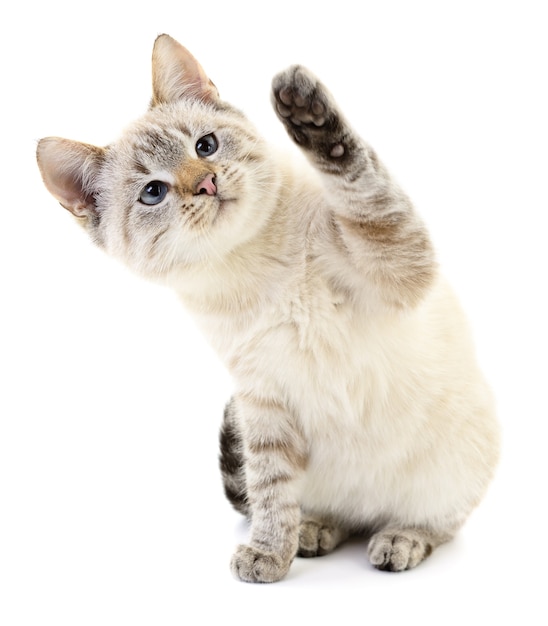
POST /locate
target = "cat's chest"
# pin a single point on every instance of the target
(303, 317)
(307, 340)
(311, 311)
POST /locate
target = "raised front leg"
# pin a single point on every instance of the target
(275, 459)
(383, 237)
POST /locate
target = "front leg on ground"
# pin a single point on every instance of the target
(254, 565)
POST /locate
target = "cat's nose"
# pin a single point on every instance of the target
(207, 185)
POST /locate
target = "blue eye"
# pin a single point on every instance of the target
(207, 145)
(153, 192)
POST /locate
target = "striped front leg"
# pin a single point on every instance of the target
(275, 459)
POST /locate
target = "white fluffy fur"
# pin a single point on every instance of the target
(398, 419)
(355, 405)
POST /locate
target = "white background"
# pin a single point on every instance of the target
(111, 505)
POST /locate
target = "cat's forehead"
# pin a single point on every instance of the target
(162, 135)
(168, 134)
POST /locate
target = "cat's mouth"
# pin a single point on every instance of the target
(223, 204)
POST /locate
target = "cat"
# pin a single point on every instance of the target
(359, 408)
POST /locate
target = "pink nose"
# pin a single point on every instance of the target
(207, 185)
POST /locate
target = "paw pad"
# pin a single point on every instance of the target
(299, 98)
(311, 117)
(337, 150)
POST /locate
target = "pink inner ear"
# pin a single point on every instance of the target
(177, 74)
(69, 169)
(78, 205)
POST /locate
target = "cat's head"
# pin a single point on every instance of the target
(189, 181)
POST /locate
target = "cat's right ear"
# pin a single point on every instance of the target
(177, 74)
(70, 170)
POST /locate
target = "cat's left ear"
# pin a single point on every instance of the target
(177, 74)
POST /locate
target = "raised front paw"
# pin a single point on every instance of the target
(253, 565)
(309, 114)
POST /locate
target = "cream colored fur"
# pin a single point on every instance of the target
(358, 399)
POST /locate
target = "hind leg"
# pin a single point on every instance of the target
(231, 461)
(318, 537)
(398, 549)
